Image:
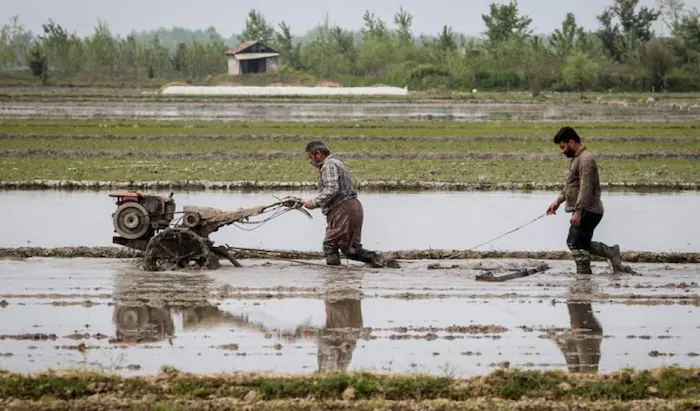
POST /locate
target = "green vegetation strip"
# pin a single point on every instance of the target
(672, 383)
(531, 171)
(181, 145)
(109, 403)
(303, 139)
(540, 129)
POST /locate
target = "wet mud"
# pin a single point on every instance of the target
(330, 110)
(232, 155)
(105, 314)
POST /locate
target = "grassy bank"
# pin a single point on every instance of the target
(540, 129)
(484, 171)
(463, 146)
(502, 389)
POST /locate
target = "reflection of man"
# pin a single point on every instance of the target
(337, 341)
(581, 345)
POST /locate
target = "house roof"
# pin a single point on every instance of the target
(240, 47)
(245, 45)
(253, 56)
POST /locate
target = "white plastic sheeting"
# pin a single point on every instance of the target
(284, 91)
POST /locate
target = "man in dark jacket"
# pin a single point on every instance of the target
(338, 201)
(582, 195)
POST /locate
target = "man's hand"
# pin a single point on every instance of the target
(310, 204)
(552, 209)
(576, 219)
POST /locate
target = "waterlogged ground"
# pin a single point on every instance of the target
(108, 315)
(327, 110)
(393, 221)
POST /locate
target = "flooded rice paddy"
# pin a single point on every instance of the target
(107, 315)
(393, 221)
(324, 111)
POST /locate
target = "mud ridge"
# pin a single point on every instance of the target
(376, 185)
(305, 138)
(231, 155)
(122, 252)
(52, 113)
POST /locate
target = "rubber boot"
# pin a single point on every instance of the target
(365, 256)
(582, 258)
(331, 253)
(612, 254)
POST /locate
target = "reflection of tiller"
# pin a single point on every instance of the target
(145, 222)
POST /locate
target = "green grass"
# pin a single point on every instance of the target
(498, 170)
(543, 130)
(670, 383)
(184, 145)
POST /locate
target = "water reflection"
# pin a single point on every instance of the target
(580, 345)
(338, 339)
(145, 306)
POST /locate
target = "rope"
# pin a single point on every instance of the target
(496, 238)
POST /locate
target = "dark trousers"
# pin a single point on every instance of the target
(580, 237)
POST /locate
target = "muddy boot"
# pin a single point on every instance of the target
(370, 258)
(331, 253)
(612, 254)
(582, 258)
(365, 256)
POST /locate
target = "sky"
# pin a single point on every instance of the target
(228, 16)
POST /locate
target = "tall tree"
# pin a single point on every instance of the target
(257, 28)
(569, 37)
(624, 29)
(288, 47)
(403, 21)
(504, 23)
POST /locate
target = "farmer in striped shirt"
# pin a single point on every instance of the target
(338, 201)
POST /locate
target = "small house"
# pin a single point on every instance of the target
(252, 57)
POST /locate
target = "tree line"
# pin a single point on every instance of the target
(622, 54)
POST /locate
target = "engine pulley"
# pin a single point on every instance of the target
(131, 220)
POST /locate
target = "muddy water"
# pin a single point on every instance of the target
(105, 315)
(639, 222)
(300, 111)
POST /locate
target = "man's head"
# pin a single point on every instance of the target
(317, 152)
(568, 140)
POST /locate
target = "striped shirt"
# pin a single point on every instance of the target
(334, 184)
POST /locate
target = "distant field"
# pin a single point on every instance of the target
(663, 153)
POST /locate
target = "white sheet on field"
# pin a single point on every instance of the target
(284, 91)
